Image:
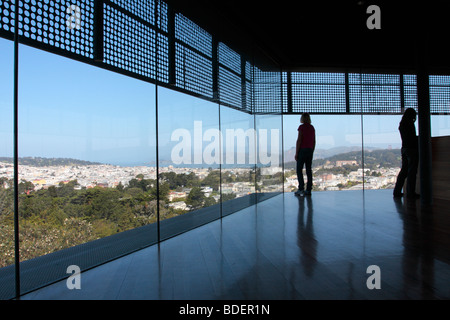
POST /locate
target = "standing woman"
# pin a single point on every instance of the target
(306, 143)
(410, 155)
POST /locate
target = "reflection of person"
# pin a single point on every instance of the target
(306, 239)
(410, 155)
(306, 143)
(418, 256)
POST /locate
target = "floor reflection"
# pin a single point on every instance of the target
(418, 256)
(305, 235)
(287, 247)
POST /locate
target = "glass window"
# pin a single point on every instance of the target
(189, 161)
(87, 164)
(337, 160)
(239, 159)
(382, 151)
(269, 171)
(6, 170)
(440, 125)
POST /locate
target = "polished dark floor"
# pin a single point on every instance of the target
(287, 247)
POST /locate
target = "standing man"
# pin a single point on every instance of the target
(306, 143)
(410, 155)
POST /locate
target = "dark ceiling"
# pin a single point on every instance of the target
(328, 35)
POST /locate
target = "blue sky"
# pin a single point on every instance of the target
(71, 109)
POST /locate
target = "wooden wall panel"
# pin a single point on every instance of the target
(441, 167)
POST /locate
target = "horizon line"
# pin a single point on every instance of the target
(167, 163)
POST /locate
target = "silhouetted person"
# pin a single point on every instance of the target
(306, 143)
(410, 155)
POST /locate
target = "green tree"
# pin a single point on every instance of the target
(228, 196)
(209, 201)
(212, 180)
(120, 186)
(140, 176)
(104, 203)
(25, 187)
(195, 198)
(66, 190)
(3, 181)
(164, 190)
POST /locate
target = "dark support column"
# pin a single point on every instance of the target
(423, 106)
(423, 99)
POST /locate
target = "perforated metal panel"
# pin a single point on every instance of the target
(318, 92)
(193, 55)
(440, 94)
(129, 44)
(162, 65)
(232, 88)
(229, 87)
(410, 91)
(142, 9)
(6, 18)
(374, 93)
(65, 25)
(267, 92)
(360, 93)
(145, 39)
(193, 36)
(193, 71)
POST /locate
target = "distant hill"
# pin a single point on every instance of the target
(46, 162)
(326, 153)
(382, 157)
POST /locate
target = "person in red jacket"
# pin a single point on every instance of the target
(306, 143)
